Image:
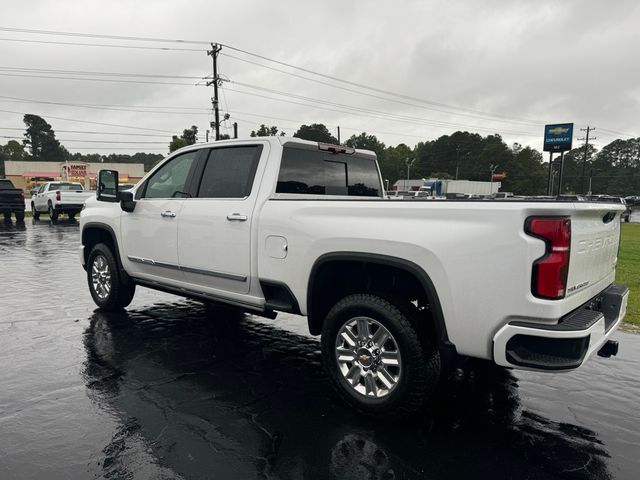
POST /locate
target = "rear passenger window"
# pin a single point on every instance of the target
(315, 172)
(229, 172)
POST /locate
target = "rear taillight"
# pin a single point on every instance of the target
(550, 272)
(58, 195)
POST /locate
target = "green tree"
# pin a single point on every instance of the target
(526, 174)
(316, 132)
(367, 142)
(393, 164)
(14, 150)
(616, 169)
(265, 131)
(41, 141)
(189, 137)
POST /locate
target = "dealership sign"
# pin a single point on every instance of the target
(74, 170)
(557, 137)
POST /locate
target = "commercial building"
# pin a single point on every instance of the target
(27, 174)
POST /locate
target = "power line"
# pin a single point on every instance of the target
(381, 117)
(279, 62)
(94, 133)
(92, 79)
(137, 47)
(96, 35)
(92, 141)
(94, 107)
(377, 96)
(94, 123)
(379, 90)
(108, 74)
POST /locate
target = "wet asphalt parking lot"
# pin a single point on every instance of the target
(174, 389)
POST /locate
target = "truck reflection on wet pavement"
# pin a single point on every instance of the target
(175, 389)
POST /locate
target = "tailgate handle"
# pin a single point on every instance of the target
(608, 217)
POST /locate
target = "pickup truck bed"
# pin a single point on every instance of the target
(395, 288)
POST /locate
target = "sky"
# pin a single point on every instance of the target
(405, 71)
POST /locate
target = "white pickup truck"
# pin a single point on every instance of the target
(396, 288)
(56, 198)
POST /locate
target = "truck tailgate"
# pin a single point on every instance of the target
(595, 237)
(74, 197)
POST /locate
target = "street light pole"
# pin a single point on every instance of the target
(409, 163)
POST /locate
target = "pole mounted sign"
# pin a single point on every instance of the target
(558, 137)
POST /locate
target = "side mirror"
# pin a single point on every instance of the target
(107, 189)
(127, 203)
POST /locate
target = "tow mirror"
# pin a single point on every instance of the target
(107, 188)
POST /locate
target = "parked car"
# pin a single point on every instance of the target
(625, 216)
(395, 288)
(632, 200)
(56, 198)
(11, 201)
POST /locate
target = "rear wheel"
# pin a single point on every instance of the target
(375, 358)
(108, 290)
(53, 214)
(34, 212)
(20, 216)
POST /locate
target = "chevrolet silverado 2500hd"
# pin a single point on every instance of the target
(394, 287)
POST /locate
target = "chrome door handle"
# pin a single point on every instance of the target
(236, 217)
(168, 213)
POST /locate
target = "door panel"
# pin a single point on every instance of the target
(150, 241)
(214, 235)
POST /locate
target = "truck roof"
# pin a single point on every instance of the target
(276, 140)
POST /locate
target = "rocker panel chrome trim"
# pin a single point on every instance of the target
(199, 271)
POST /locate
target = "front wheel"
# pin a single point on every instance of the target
(35, 213)
(375, 357)
(106, 284)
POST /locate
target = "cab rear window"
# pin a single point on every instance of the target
(316, 172)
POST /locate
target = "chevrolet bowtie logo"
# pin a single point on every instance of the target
(558, 130)
(364, 357)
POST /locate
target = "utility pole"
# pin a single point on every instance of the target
(561, 172)
(339, 135)
(584, 156)
(550, 180)
(492, 168)
(215, 49)
(409, 163)
(235, 129)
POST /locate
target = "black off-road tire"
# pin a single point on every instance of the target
(120, 293)
(420, 356)
(53, 214)
(34, 213)
(19, 216)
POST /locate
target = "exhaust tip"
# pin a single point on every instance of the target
(609, 349)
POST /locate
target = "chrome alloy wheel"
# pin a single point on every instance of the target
(368, 357)
(101, 277)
